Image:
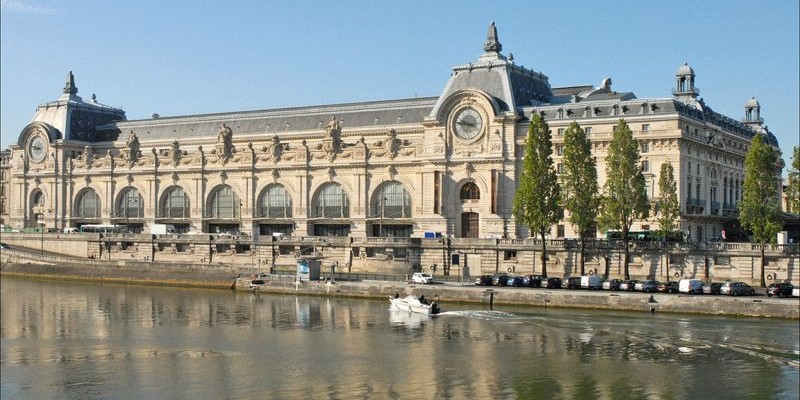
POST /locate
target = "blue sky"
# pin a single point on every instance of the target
(179, 58)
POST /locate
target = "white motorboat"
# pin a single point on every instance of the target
(413, 304)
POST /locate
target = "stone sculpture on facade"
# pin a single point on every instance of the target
(225, 144)
(175, 153)
(132, 152)
(87, 157)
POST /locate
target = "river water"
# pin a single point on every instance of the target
(102, 341)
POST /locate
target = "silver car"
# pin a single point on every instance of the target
(737, 288)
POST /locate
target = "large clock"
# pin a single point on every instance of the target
(468, 123)
(37, 149)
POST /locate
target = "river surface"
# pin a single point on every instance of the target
(103, 341)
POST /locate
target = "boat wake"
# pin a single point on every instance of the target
(481, 314)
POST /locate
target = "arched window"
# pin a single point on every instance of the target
(391, 200)
(176, 204)
(37, 199)
(275, 203)
(331, 202)
(470, 191)
(131, 204)
(88, 205)
(225, 204)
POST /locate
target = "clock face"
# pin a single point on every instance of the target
(37, 149)
(468, 123)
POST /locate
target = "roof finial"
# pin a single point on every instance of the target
(492, 44)
(70, 88)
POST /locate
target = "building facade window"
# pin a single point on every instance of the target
(275, 203)
(332, 202)
(175, 204)
(470, 191)
(560, 150)
(645, 166)
(391, 200)
(645, 147)
(225, 204)
(130, 204)
(88, 205)
(645, 128)
(588, 130)
(560, 131)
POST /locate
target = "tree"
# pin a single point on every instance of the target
(793, 187)
(625, 193)
(758, 210)
(537, 203)
(579, 183)
(668, 210)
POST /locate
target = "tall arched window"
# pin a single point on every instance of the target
(37, 199)
(175, 204)
(88, 205)
(275, 203)
(331, 202)
(391, 200)
(225, 204)
(470, 191)
(131, 204)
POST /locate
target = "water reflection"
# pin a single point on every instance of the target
(99, 341)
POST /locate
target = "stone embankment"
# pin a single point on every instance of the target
(22, 264)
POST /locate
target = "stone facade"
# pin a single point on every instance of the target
(399, 168)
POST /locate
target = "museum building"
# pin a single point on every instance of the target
(447, 164)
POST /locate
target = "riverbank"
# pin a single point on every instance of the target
(756, 306)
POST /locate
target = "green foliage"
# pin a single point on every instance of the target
(625, 193)
(668, 209)
(758, 210)
(579, 181)
(793, 187)
(537, 203)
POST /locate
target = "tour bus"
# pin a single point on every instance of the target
(102, 228)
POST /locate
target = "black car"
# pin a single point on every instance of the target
(532, 280)
(516, 281)
(484, 280)
(499, 279)
(712, 288)
(667, 287)
(574, 282)
(780, 289)
(551, 283)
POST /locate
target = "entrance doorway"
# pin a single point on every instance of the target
(469, 225)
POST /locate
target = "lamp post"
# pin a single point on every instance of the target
(380, 224)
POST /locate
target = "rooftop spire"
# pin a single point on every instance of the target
(492, 44)
(70, 88)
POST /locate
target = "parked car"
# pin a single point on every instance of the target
(737, 288)
(612, 284)
(648, 286)
(628, 285)
(573, 282)
(693, 286)
(421, 277)
(3, 246)
(551, 283)
(780, 289)
(591, 282)
(667, 287)
(532, 280)
(499, 279)
(484, 280)
(515, 281)
(712, 288)
(796, 291)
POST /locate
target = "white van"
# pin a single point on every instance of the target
(70, 230)
(591, 282)
(693, 286)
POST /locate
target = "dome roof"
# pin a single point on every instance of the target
(752, 103)
(684, 69)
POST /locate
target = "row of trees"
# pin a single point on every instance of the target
(542, 197)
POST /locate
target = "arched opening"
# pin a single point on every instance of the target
(331, 206)
(275, 211)
(36, 210)
(390, 211)
(87, 208)
(174, 209)
(130, 210)
(470, 191)
(224, 211)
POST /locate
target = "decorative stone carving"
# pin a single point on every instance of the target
(132, 152)
(276, 148)
(225, 144)
(332, 143)
(175, 153)
(87, 157)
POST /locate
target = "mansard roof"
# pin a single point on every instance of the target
(293, 120)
